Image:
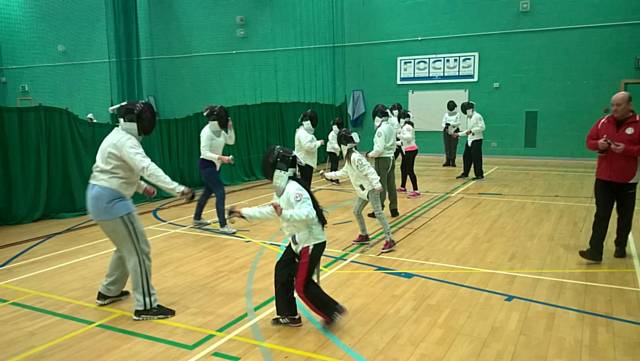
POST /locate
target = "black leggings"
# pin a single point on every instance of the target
(333, 162)
(407, 169)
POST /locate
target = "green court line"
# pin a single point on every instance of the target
(102, 326)
(225, 356)
(143, 336)
(233, 322)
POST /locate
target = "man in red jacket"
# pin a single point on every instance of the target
(616, 138)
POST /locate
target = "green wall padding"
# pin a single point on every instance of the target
(47, 153)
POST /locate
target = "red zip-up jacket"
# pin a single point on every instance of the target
(621, 167)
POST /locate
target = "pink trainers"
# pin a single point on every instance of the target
(414, 194)
(388, 246)
(362, 239)
(401, 190)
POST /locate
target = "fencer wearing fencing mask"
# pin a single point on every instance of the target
(135, 118)
(218, 118)
(306, 145)
(278, 166)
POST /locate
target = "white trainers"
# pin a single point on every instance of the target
(201, 223)
(228, 230)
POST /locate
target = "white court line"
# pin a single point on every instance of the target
(82, 258)
(209, 349)
(634, 255)
(499, 198)
(147, 227)
(470, 183)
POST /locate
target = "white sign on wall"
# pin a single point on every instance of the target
(439, 68)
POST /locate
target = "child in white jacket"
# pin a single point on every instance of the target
(333, 149)
(410, 150)
(303, 221)
(367, 184)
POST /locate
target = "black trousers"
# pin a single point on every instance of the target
(473, 155)
(450, 147)
(293, 272)
(407, 169)
(333, 163)
(306, 174)
(398, 152)
(607, 193)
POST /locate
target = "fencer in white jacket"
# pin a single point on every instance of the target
(367, 184)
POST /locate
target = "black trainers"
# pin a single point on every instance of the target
(291, 321)
(620, 252)
(103, 300)
(589, 256)
(462, 176)
(340, 312)
(394, 213)
(155, 313)
(478, 178)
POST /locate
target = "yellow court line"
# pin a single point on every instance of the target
(66, 299)
(251, 341)
(117, 313)
(63, 338)
(15, 300)
(483, 271)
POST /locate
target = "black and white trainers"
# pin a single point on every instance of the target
(291, 321)
(340, 312)
(103, 300)
(155, 313)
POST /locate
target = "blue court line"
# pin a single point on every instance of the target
(251, 313)
(328, 334)
(506, 296)
(68, 229)
(157, 217)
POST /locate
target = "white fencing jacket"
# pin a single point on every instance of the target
(307, 147)
(121, 161)
(298, 216)
(362, 175)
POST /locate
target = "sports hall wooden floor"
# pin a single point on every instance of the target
(483, 271)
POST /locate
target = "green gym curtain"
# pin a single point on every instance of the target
(47, 153)
(123, 47)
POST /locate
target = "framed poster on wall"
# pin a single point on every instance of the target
(438, 68)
